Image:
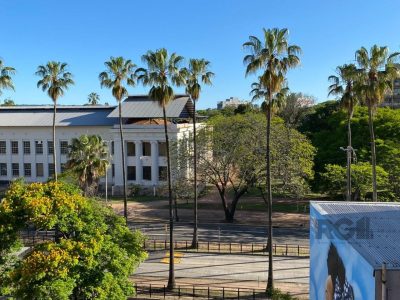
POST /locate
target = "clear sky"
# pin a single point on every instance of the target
(86, 33)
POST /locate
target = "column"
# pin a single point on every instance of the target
(154, 162)
(45, 159)
(33, 161)
(9, 160)
(138, 161)
(21, 158)
(118, 179)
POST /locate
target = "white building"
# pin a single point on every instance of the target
(232, 101)
(26, 138)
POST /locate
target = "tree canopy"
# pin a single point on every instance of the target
(92, 259)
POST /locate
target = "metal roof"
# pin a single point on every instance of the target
(378, 221)
(42, 116)
(144, 107)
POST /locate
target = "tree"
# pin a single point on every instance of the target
(377, 71)
(361, 178)
(6, 77)
(163, 71)
(8, 102)
(94, 258)
(197, 72)
(55, 80)
(118, 74)
(274, 56)
(93, 99)
(295, 109)
(343, 86)
(88, 159)
(231, 152)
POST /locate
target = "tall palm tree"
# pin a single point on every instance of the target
(93, 99)
(377, 71)
(120, 72)
(163, 71)
(6, 77)
(55, 80)
(343, 85)
(273, 56)
(88, 159)
(196, 73)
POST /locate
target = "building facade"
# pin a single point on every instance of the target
(26, 145)
(232, 101)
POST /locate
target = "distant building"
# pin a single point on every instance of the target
(26, 144)
(393, 100)
(232, 101)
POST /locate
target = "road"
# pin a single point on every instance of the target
(225, 233)
(243, 271)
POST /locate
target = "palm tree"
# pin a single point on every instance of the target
(196, 73)
(163, 71)
(5, 77)
(377, 72)
(93, 99)
(273, 56)
(119, 72)
(88, 159)
(343, 86)
(8, 102)
(55, 79)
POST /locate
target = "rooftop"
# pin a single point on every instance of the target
(382, 225)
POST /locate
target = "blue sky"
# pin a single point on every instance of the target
(86, 33)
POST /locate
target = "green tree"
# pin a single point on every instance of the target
(295, 109)
(55, 80)
(361, 177)
(94, 258)
(6, 74)
(197, 72)
(118, 74)
(88, 158)
(163, 71)
(377, 72)
(273, 56)
(343, 86)
(93, 99)
(8, 102)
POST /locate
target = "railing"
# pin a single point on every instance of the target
(228, 247)
(204, 292)
(31, 238)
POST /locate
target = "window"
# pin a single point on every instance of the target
(130, 149)
(64, 147)
(15, 169)
(39, 147)
(51, 170)
(147, 173)
(14, 147)
(162, 173)
(39, 170)
(50, 147)
(27, 170)
(3, 147)
(162, 149)
(113, 170)
(27, 147)
(146, 149)
(131, 173)
(112, 148)
(3, 169)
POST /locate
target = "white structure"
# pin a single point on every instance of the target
(232, 101)
(26, 138)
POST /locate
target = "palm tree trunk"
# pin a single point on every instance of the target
(349, 155)
(270, 280)
(171, 278)
(195, 240)
(123, 161)
(373, 154)
(54, 141)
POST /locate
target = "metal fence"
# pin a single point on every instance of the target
(31, 238)
(203, 292)
(228, 247)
